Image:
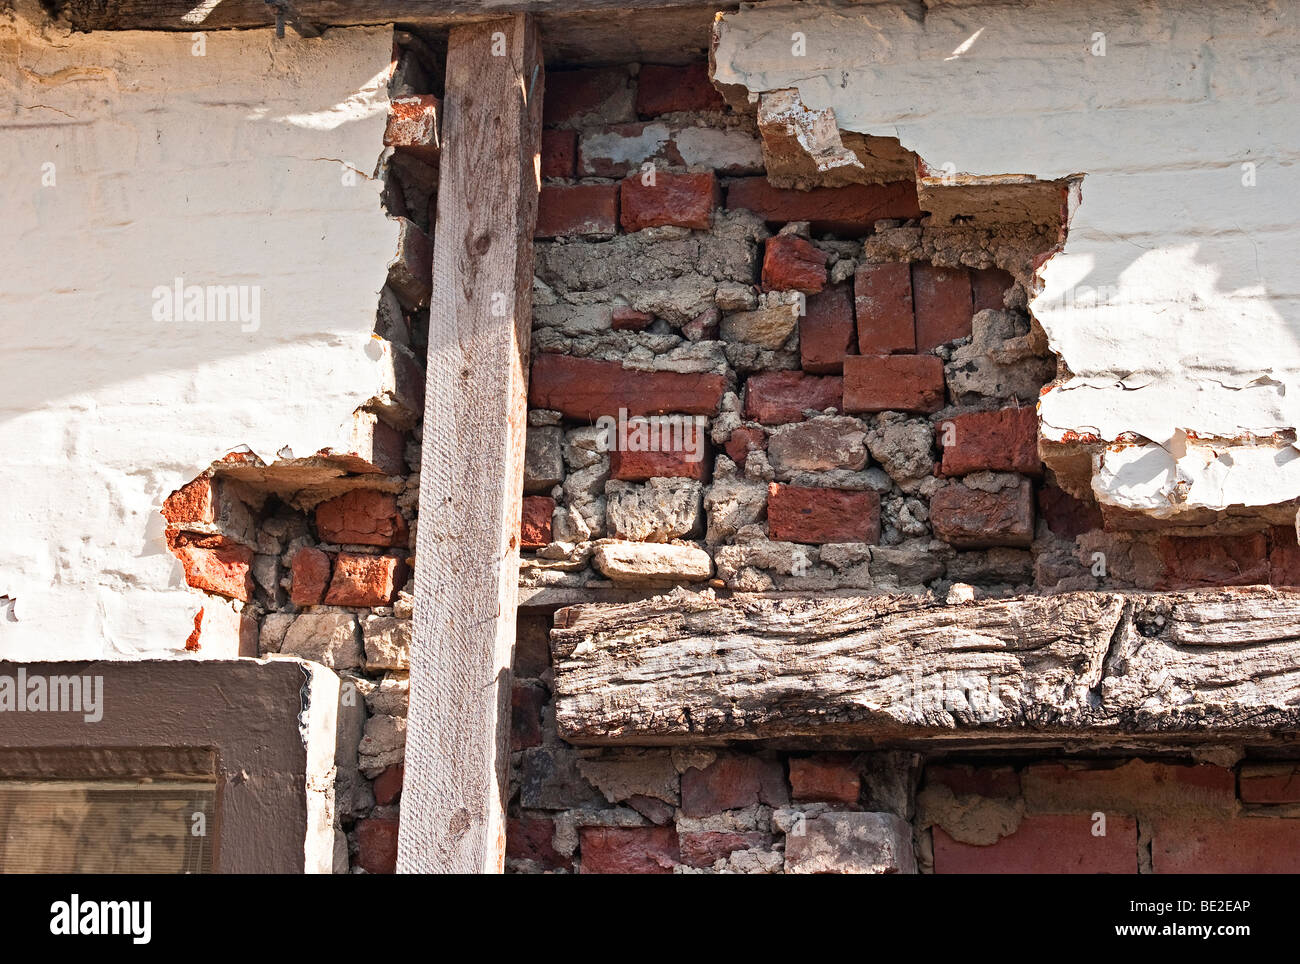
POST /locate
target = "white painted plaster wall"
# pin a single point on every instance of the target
(1197, 329)
(228, 169)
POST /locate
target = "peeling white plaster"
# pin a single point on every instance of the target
(1197, 329)
(222, 169)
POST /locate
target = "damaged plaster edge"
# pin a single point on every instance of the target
(318, 728)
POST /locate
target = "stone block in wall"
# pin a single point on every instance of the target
(843, 210)
(600, 95)
(410, 273)
(882, 296)
(383, 744)
(768, 326)
(364, 580)
(773, 398)
(791, 263)
(527, 701)
(543, 458)
(820, 444)
(850, 843)
(942, 299)
(975, 519)
(901, 383)
(827, 331)
(584, 388)
(331, 639)
(684, 200)
(1001, 441)
(659, 510)
(577, 210)
(817, 515)
(666, 89)
(272, 631)
(387, 641)
(549, 779)
(365, 517)
(651, 564)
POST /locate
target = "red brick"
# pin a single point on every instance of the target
(1134, 787)
(365, 580)
(848, 210)
(662, 90)
(902, 383)
(1001, 441)
(1045, 844)
(966, 780)
(1065, 515)
(743, 441)
(388, 785)
(1192, 562)
(413, 126)
(689, 458)
(311, 574)
(883, 300)
(1245, 845)
(777, 397)
(559, 153)
(1283, 557)
(733, 781)
(704, 326)
(686, 200)
(815, 515)
(629, 319)
(702, 849)
(362, 517)
(214, 564)
(192, 503)
(584, 388)
(826, 777)
(988, 285)
(971, 519)
(826, 332)
(530, 838)
(577, 209)
(526, 703)
(1270, 783)
(791, 263)
(377, 845)
(574, 97)
(535, 521)
(628, 850)
(942, 297)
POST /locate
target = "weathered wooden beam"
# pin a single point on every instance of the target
(230, 14)
(471, 480)
(689, 668)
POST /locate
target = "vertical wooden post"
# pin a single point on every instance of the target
(471, 473)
